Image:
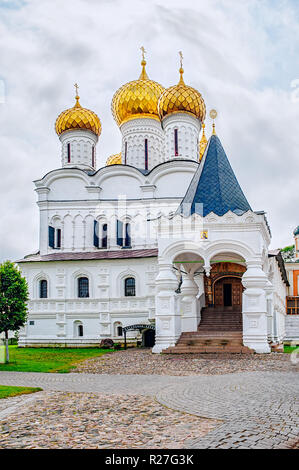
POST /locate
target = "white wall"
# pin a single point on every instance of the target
(54, 317)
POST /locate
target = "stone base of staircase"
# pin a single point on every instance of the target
(218, 332)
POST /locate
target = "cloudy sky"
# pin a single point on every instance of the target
(242, 55)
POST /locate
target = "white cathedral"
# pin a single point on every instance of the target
(161, 238)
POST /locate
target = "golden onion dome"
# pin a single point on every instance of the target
(78, 118)
(137, 99)
(114, 160)
(182, 98)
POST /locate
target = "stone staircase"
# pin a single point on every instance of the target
(220, 331)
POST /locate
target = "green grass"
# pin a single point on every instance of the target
(290, 349)
(6, 391)
(48, 359)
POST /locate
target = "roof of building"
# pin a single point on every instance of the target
(93, 255)
(277, 254)
(214, 187)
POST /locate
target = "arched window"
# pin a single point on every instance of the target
(104, 235)
(176, 143)
(130, 288)
(146, 154)
(127, 235)
(126, 150)
(83, 287)
(43, 289)
(119, 331)
(80, 330)
(93, 156)
(69, 153)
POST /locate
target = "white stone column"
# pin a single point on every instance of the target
(255, 330)
(189, 291)
(270, 311)
(168, 317)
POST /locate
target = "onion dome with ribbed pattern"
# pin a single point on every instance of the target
(137, 99)
(114, 160)
(182, 98)
(78, 117)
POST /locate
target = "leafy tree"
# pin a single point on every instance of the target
(13, 298)
(288, 253)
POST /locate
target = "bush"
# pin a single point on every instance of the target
(117, 346)
(107, 343)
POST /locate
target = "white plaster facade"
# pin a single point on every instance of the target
(242, 239)
(118, 222)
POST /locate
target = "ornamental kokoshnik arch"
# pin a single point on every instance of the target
(139, 327)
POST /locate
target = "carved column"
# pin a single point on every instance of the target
(189, 291)
(168, 317)
(255, 328)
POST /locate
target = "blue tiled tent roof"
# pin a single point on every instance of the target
(214, 187)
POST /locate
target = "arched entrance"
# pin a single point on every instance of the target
(228, 292)
(144, 329)
(223, 289)
(148, 338)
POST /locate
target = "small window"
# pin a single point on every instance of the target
(127, 235)
(104, 236)
(176, 143)
(146, 154)
(69, 153)
(80, 330)
(83, 287)
(58, 238)
(43, 289)
(130, 290)
(31, 322)
(93, 156)
(119, 331)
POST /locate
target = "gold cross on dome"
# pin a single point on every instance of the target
(143, 52)
(181, 58)
(77, 88)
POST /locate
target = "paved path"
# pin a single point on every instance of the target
(258, 409)
(148, 385)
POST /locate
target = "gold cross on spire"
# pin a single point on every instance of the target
(143, 52)
(181, 58)
(77, 88)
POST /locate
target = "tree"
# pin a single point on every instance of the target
(288, 253)
(13, 300)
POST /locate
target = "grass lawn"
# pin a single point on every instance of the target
(290, 349)
(48, 359)
(6, 391)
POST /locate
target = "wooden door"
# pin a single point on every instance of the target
(236, 289)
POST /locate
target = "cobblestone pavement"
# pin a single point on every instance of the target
(142, 361)
(102, 383)
(56, 420)
(259, 410)
(256, 409)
